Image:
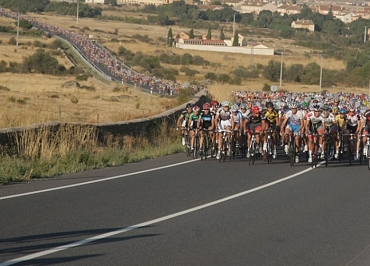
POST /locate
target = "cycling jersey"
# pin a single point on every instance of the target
(224, 115)
(314, 121)
(255, 119)
(340, 121)
(352, 120)
(193, 118)
(328, 121)
(294, 120)
(206, 119)
(185, 118)
(271, 117)
(245, 114)
(237, 117)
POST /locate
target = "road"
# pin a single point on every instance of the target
(178, 211)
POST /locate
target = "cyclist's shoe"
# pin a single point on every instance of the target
(365, 152)
(274, 155)
(286, 149)
(297, 159)
(320, 149)
(336, 155)
(264, 156)
(322, 155)
(248, 154)
(310, 159)
(218, 155)
(356, 157)
(183, 141)
(305, 148)
(264, 146)
(257, 149)
(192, 148)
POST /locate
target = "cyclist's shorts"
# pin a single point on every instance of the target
(313, 128)
(293, 128)
(271, 124)
(223, 124)
(255, 126)
(184, 123)
(331, 129)
(352, 129)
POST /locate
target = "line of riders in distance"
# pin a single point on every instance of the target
(303, 120)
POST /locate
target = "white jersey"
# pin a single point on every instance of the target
(328, 121)
(310, 116)
(294, 119)
(246, 114)
(352, 120)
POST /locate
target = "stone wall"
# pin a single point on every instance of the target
(10, 136)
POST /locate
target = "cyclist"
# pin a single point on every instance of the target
(353, 126)
(314, 121)
(271, 120)
(238, 120)
(183, 119)
(366, 126)
(225, 122)
(329, 127)
(293, 124)
(254, 121)
(206, 121)
(193, 125)
(341, 120)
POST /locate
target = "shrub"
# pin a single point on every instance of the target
(211, 76)
(74, 99)
(21, 101)
(12, 41)
(37, 43)
(266, 87)
(3, 88)
(223, 78)
(82, 77)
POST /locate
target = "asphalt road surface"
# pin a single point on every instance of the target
(179, 211)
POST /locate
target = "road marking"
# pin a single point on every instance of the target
(158, 220)
(96, 181)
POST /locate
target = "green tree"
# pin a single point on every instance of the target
(222, 34)
(169, 38)
(209, 34)
(25, 24)
(191, 34)
(186, 59)
(236, 39)
(42, 62)
(272, 71)
(111, 2)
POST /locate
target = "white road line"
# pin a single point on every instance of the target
(96, 181)
(158, 220)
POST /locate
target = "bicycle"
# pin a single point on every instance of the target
(350, 147)
(340, 147)
(206, 144)
(270, 145)
(292, 147)
(367, 147)
(253, 148)
(327, 147)
(225, 147)
(196, 144)
(187, 141)
(315, 150)
(243, 144)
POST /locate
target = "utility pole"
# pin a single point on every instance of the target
(234, 26)
(17, 28)
(321, 73)
(281, 66)
(252, 52)
(78, 3)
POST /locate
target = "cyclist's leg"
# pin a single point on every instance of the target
(192, 137)
(201, 138)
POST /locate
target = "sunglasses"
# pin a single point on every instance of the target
(206, 109)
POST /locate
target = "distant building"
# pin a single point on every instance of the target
(252, 7)
(347, 17)
(95, 1)
(304, 24)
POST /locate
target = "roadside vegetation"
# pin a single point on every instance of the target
(73, 149)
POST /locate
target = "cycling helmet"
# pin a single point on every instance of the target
(225, 103)
(189, 105)
(206, 106)
(214, 102)
(326, 108)
(196, 108)
(243, 106)
(218, 105)
(269, 105)
(304, 105)
(316, 108)
(255, 109)
(234, 108)
(293, 105)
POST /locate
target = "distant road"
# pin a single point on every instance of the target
(176, 211)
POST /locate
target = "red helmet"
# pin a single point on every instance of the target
(214, 102)
(206, 106)
(255, 109)
(196, 108)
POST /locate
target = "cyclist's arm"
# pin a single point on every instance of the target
(199, 123)
(179, 121)
(283, 125)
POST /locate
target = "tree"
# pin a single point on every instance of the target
(169, 37)
(111, 2)
(191, 34)
(222, 34)
(209, 34)
(272, 71)
(25, 24)
(236, 39)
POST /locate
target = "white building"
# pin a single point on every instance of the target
(95, 1)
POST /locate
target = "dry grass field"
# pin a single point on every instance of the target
(43, 98)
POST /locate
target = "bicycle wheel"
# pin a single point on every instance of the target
(327, 152)
(361, 152)
(350, 153)
(251, 153)
(205, 146)
(196, 145)
(368, 163)
(222, 155)
(187, 144)
(291, 154)
(314, 156)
